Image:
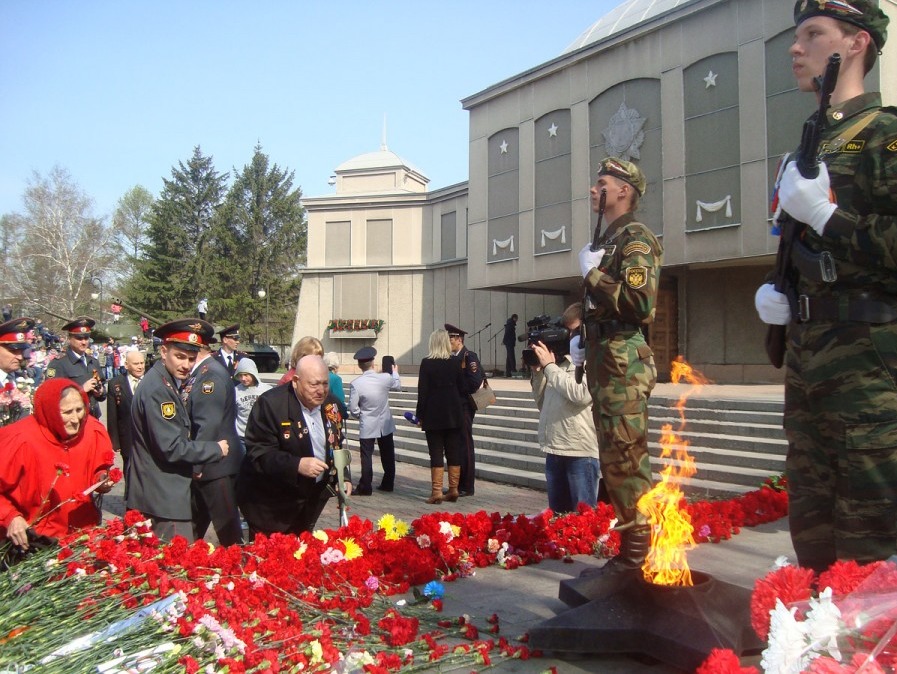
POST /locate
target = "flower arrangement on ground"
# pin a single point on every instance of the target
(355, 324)
(842, 621)
(115, 599)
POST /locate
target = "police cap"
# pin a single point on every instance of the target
(14, 333)
(232, 331)
(365, 353)
(80, 326)
(186, 333)
(625, 171)
(453, 331)
(864, 14)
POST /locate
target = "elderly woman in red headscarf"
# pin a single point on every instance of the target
(48, 464)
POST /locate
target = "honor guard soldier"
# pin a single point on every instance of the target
(840, 307)
(162, 465)
(472, 375)
(77, 363)
(621, 279)
(228, 355)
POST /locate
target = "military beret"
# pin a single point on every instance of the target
(231, 331)
(365, 353)
(14, 333)
(453, 331)
(186, 333)
(625, 171)
(80, 326)
(864, 14)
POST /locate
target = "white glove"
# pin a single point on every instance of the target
(772, 305)
(589, 259)
(807, 200)
(577, 352)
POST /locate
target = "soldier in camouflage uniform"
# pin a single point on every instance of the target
(841, 358)
(621, 279)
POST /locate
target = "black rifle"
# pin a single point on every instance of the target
(785, 278)
(596, 237)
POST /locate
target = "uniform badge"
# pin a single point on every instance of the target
(636, 247)
(636, 277)
(285, 429)
(51, 372)
(208, 387)
(609, 249)
(473, 367)
(854, 146)
(893, 146)
(168, 410)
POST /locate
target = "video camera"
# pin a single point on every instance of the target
(551, 332)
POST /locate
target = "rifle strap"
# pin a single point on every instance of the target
(852, 132)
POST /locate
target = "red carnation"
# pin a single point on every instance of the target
(62, 469)
(115, 475)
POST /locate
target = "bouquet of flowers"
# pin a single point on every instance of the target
(15, 400)
(842, 622)
(355, 324)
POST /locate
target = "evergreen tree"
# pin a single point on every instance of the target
(173, 274)
(261, 245)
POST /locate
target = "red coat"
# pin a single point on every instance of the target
(33, 463)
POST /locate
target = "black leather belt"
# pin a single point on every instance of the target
(859, 308)
(601, 329)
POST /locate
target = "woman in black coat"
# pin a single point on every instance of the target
(439, 408)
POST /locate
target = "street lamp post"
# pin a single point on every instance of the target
(97, 281)
(264, 296)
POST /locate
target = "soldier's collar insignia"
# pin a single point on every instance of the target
(168, 410)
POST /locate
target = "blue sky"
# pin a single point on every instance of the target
(118, 92)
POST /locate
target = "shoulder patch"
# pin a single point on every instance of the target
(892, 147)
(168, 410)
(636, 277)
(208, 387)
(636, 247)
(50, 372)
(473, 366)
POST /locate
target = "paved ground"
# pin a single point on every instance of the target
(527, 596)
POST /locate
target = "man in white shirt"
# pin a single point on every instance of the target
(228, 355)
(369, 403)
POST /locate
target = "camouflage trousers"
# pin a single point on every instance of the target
(841, 425)
(621, 375)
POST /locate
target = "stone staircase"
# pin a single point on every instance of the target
(736, 444)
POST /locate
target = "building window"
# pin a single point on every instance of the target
(448, 239)
(379, 242)
(504, 196)
(712, 143)
(337, 243)
(552, 177)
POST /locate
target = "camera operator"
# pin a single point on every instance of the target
(566, 429)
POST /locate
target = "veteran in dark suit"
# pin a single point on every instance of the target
(473, 376)
(212, 406)
(118, 407)
(77, 363)
(288, 473)
(161, 468)
(229, 354)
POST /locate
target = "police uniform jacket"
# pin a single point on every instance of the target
(235, 358)
(471, 374)
(70, 366)
(212, 406)
(161, 467)
(270, 490)
(118, 411)
(369, 403)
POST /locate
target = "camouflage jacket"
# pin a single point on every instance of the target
(624, 287)
(862, 233)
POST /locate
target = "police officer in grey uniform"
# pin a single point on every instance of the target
(473, 377)
(161, 470)
(77, 363)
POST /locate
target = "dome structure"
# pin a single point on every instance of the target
(623, 17)
(381, 159)
(382, 171)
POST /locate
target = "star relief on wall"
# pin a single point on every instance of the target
(624, 136)
(503, 147)
(553, 130)
(710, 80)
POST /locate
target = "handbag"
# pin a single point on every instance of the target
(483, 396)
